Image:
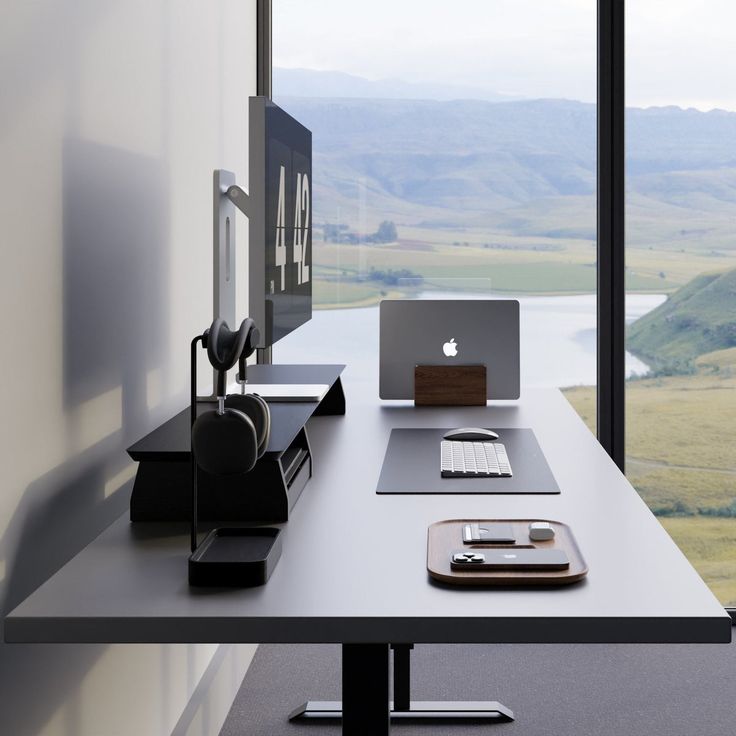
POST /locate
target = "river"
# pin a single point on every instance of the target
(557, 338)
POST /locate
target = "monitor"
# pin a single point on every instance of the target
(449, 332)
(280, 222)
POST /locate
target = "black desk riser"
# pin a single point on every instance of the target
(162, 488)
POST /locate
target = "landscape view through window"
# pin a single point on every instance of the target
(455, 155)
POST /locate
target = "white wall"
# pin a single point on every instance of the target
(113, 114)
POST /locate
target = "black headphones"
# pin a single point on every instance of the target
(230, 440)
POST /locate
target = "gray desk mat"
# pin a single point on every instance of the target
(412, 465)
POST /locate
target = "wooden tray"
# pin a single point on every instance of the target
(444, 537)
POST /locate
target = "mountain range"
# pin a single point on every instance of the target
(523, 167)
(315, 83)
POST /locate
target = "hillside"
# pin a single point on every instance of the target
(447, 164)
(698, 318)
(524, 167)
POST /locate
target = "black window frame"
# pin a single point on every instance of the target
(611, 243)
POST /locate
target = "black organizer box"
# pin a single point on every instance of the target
(239, 558)
(162, 488)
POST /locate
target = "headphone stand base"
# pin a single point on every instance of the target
(235, 557)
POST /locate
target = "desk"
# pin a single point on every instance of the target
(353, 568)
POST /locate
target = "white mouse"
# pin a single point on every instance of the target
(471, 434)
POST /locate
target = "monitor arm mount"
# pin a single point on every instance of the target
(227, 197)
(223, 265)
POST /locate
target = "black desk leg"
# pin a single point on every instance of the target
(402, 677)
(365, 699)
(367, 664)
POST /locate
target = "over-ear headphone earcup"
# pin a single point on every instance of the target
(256, 408)
(225, 444)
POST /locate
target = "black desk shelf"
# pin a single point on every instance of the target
(162, 487)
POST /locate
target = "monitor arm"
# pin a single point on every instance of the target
(227, 197)
(239, 197)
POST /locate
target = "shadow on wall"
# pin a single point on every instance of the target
(115, 212)
(115, 335)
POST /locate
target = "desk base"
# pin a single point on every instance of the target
(366, 709)
(419, 710)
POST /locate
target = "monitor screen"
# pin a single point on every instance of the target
(280, 229)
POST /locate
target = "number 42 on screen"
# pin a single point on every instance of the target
(301, 227)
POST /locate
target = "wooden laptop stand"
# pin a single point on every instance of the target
(450, 385)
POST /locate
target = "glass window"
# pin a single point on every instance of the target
(681, 257)
(454, 154)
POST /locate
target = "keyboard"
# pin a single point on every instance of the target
(474, 460)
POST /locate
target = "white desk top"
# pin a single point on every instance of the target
(353, 567)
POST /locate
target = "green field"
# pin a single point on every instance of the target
(709, 544)
(513, 265)
(680, 457)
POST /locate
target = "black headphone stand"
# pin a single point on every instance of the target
(228, 556)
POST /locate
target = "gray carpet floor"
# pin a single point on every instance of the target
(554, 690)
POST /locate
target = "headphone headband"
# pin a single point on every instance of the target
(225, 347)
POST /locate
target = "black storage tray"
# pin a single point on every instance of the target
(235, 557)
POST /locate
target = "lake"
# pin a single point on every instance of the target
(558, 336)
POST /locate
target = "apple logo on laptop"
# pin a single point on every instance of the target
(450, 348)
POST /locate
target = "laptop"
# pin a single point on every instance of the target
(449, 332)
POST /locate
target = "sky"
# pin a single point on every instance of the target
(679, 52)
